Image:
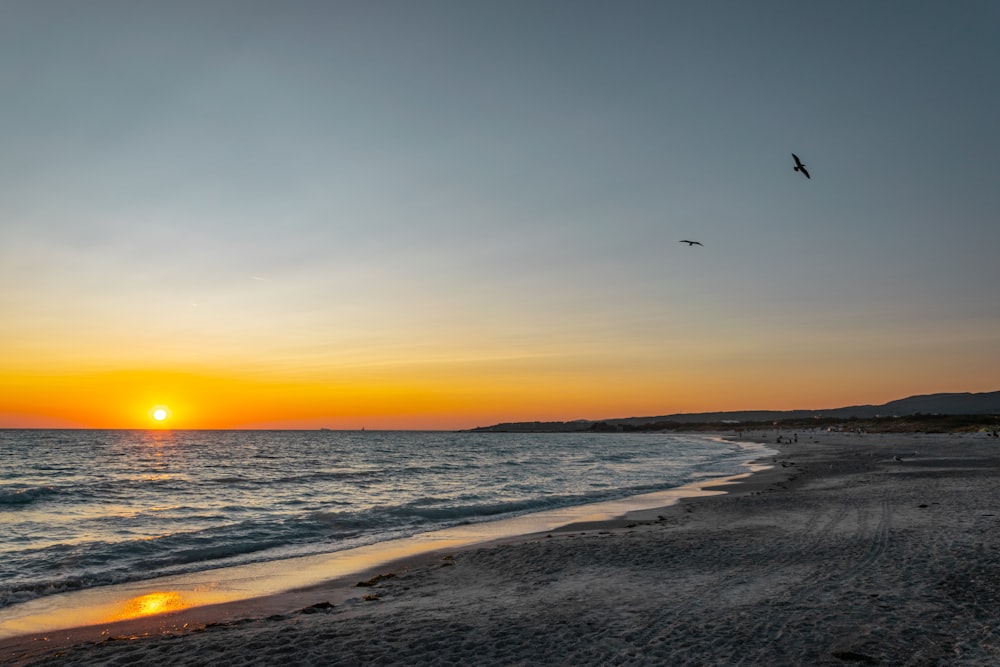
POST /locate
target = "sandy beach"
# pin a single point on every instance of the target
(850, 549)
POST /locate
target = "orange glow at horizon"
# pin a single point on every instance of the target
(414, 397)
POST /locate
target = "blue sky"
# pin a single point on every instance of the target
(493, 193)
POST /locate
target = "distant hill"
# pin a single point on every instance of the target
(985, 403)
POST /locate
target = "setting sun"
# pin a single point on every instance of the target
(159, 413)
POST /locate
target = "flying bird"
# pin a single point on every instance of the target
(690, 243)
(799, 166)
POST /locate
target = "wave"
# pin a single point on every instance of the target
(326, 476)
(11, 594)
(26, 496)
(447, 512)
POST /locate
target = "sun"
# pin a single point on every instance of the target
(159, 414)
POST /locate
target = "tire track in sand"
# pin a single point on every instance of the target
(823, 582)
(786, 554)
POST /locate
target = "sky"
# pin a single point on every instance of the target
(448, 214)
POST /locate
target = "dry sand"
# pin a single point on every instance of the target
(839, 554)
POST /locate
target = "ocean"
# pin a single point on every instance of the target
(86, 508)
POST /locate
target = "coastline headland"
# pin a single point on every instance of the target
(929, 413)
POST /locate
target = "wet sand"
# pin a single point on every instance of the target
(851, 549)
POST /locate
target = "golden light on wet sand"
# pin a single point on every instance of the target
(152, 603)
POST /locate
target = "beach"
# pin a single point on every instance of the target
(849, 549)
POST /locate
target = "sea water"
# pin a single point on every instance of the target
(85, 508)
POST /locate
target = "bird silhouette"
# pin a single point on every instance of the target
(799, 166)
(690, 243)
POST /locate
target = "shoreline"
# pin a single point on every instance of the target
(861, 549)
(271, 586)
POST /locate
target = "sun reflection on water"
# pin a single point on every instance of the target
(151, 603)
